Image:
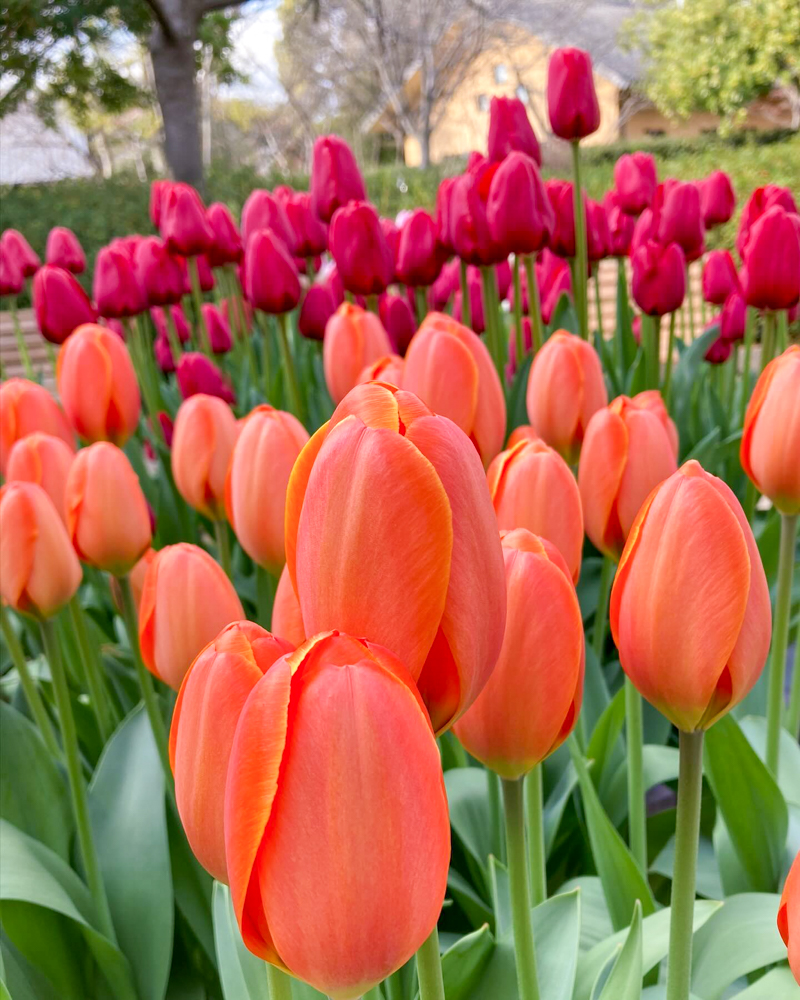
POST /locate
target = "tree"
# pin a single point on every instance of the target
(719, 55)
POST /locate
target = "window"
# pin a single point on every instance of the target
(482, 102)
(500, 73)
(521, 93)
(655, 132)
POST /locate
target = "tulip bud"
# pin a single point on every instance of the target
(19, 250)
(659, 278)
(181, 324)
(219, 333)
(626, 453)
(444, 219)
(107, 517)
(770, 449)
(419, 259)
(532, 700)
(691, 559)
(187, 599)
(789, 916)
(310, 233)
(562, 240)
(398, 320)
(717, 200)
(445, 287)
(158, 192)
(772, 262)
(377, 552)
(644, 231)
(263, 210)
(511, 131)
(116, 286)
(620, 225)
(45, 460)
(327, 923)
(255, 488)
(653, 401)
(227, 245)
(210, 702)
(680, 220)
(532, 487)
(597, 235)
(450, 369)
(386, 369)
(359, 247)
(571, 98)
(555, 279)
(286, 617)
(26, 407)
(353, 339)
(733, 318)
(635, 181)
(60, 303)
(197, 375)
(469, 224)
(317, 308)
(64, 250)
(759, 202)
(519, 212)
(12, 280)
(335, 177)
(159, 273)
(97, 385)
(719, 351)
(271, 280)
(565, 389)
(39, 572)
(183, 222)
(202, 444)
(719, 277)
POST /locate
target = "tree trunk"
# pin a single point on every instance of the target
(425, 147)
(175, 77)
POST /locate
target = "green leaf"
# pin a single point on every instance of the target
(605, 747)
(685, 377)
(564, 316)
(625, 979)
(192, 886)
(659, 764)
(595, 921)
(126, 805)
(750, 801)
(755, 729)
(33, 794)
(595, 691)
(243, 975)
(501, 897)
(468, 899)
(556, 803)
(778, 984)
(556, 937)
(21, 979)
(517, 405)
(468, 796)
(709, 883)
(464, 962)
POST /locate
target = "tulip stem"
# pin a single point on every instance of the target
(780, 638)
(581, 296)
(80, 805)
(429, 968)
(172, 334)
(637, 814)
(495, 814)
(372, 304)
(601, 614)
(668, 367)
(421, 300)
(684, 877)
(524, 954)
(519, 339)
(536, 849)
(280, 985)
(93, 669)
(288, 364)
(29, 688)
(489, 317)
(749, 334)
(22, 347)
(466, 311)
(197, 298)
(768, 339)
(534, 303)
(223, 547)
(793, 716)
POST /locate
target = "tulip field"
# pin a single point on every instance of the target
(373, 626)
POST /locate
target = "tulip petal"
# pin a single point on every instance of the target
(602, 464)
(489, 425)
(442, 371)
(19, 533)
(651, 461)
(295, 495)
(287, 620)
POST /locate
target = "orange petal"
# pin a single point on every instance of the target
(443, 372)
(295, 495)
(602, 464)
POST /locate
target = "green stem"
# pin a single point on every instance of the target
(394, 986)
(534, 303)
(280, 985)
(372, 304)
(223, 547)
(265, 327)
(519, 339)
(749, 334)
(601, 614)
(637, 815)
(668, 367)
(197, 298)
(689, 301)
(80, 804)
(172, 334)
(580, 289)
(495, 813)
(524, 954)
(489, 318)
(597, 303)
(622, 302)
(780, 638)
(684, 878)
(429, 969)
(466, 310)
(29, 688)
(22, 347)
(782, 330)
(288, 364)
(536, 850)
(265, 596)
(94, 671)
(793, 716)
(768, 341)
(656, 356)
(373, 994)
(421, 300)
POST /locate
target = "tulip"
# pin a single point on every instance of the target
(162, 350)
(43, 459)
(202, 444)
(733, 318)
(358, 246)
(159, 273)
(555, 279)
(325, 919)
(719, 277)
(571, 98)
(691, 558)
(519, 212)
(653, 401)
(635, 181)
(475, 293)
(106, 512)
(227, 245)
(565, 389)
(12, 280)
(60, 303)
(205, 276)
(760, 201)
(263, 210)
(717, 199)
(116, 286)
(183, 222)
(444, 219)
(158, 192)
(789, 916)
(353, 338)
(219, 333)
(644, 231)
(310, 233)
(681, 221)
(445, 286)
(335, 177)
(317, 308)
(64, 250)
(469, 223)
(391, 234)
(561, 199)
(39, 571)
(598, 238)
(187, 599)
(196, 374)
(620, 225)
(626, 453)
(522, 433)
(179, 321)
(410, 557)
(386, 369)
(287, 619)
(19, 250)
(510, 130)
(210, 702)
(532, 487)
(659, 278)
(271, 280)
(97, 385)
(26, 407)
(719, 351)
(419, 259)
(398, 320)
(450, 369)
(772, 263)
(255, 489)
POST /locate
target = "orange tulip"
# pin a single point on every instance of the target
(390, 534)
(186, 601)
(770, 449)
(107, 516)
(97, 384)
(26, 407)
(565, 389)
(522, 433)
(255, 489)
(625, 454)
(202, 444)
(209, 704)
(320, 833)
(690, 609)
(653, 401)
(450, 369)
(531, 701)
(532, 487)
(789, 916)
(43, 459)
(353, 339)
(386, 369)
(287, 620)
(39, 571)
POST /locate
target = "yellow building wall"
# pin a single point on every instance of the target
(762, 115)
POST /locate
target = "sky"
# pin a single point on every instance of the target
(255, 34)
